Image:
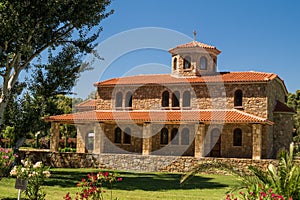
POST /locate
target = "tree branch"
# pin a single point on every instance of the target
(45, 47)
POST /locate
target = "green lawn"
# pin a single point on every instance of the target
(134, 185)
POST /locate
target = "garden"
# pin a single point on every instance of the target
(133, 186)
(39, 182)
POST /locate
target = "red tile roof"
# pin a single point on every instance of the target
(225, 77)
(196, 44)
(205, 116)
(90, 103)
(281, 107)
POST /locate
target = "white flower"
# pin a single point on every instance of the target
(37, 165)
(14, 171)
(47, 173)
(26, 163)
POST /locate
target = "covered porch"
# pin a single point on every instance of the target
(189, 133)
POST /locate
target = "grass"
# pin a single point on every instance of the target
(134, 185)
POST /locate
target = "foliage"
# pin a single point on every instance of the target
(294, 102)
(202, 167)
(67, 149)
(8, 135)
(35, 174)
(25, 116)
(260, 193)
(91, 188)
(67, 29)
(7, 158)
(283, 180)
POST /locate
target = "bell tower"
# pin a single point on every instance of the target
(194, 59)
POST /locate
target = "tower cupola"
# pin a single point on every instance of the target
(194, 59)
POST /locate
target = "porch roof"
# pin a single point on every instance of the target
(159, 116)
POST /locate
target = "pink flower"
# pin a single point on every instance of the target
(263, 194)
(270, 190)
(119, 179)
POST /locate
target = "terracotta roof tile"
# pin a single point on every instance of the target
(87, 103)
(225, 77)
(196, 44)
(281, 107)
(205, 116)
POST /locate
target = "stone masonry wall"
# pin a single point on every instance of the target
(280, 136)
(203, 96)
(283, 129)
(134, 162)
(136, 139)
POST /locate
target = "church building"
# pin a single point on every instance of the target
(193, 111)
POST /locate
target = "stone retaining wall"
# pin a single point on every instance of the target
(130, 162)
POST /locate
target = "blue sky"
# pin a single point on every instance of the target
(256, 35)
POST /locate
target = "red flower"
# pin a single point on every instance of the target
(263, 194)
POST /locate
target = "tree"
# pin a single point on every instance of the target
(28, 28)
(294, 102)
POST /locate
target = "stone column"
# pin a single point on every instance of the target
(256, 141)
(147, 139)
(98, 138)
(82, 134)
(199, 140)
(54, 138)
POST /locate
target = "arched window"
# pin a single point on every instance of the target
(185, 136)
(118, 135)
(203, 63)
(119, 99)
(186, 101)
(175, 99)
(128, 101)
(174, 136)
(175, 64)
(165, 99)
(237, 137)
(187, 62)
(164, 136)
(238, 98)
(127, 136)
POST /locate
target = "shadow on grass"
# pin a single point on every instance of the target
(137, 181)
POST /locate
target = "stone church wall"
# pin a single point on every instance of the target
(283, 129)
(210, 96)
(136, 139)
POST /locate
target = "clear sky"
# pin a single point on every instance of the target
(256, 35)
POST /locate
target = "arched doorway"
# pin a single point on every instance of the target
(215, 143)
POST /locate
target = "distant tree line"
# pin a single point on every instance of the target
(294, 102)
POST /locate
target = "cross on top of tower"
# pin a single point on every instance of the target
(195, 34)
